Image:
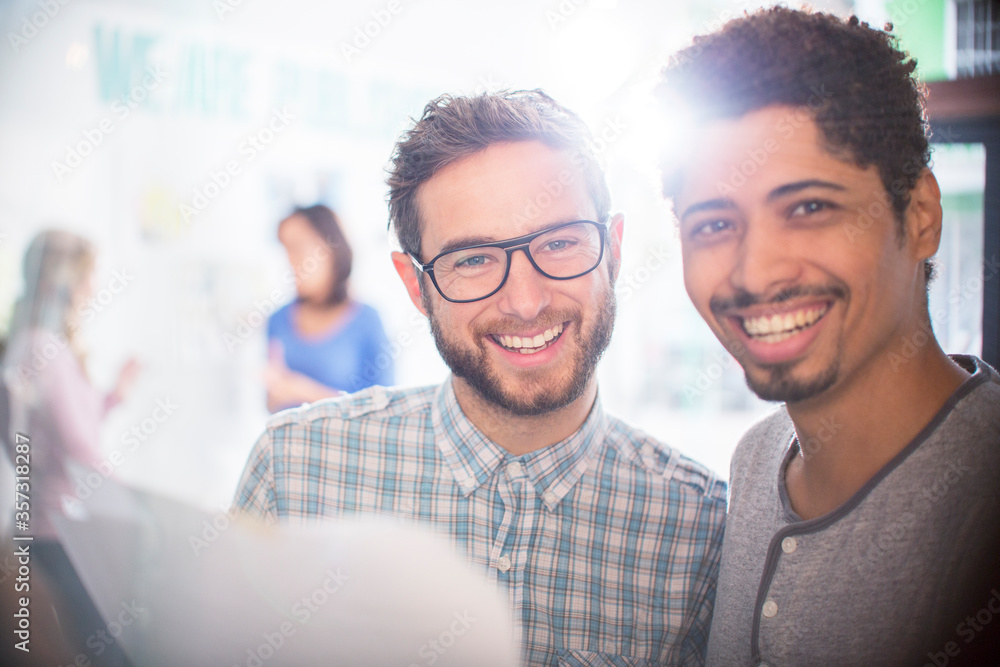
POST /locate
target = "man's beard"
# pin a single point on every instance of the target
(537, 392)
(779, 385)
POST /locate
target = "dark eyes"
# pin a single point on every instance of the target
(709, 228)
(810, 207)
(712, 228)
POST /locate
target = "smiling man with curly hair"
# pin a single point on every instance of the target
(863, 514)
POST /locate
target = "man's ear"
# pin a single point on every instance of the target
(616, 228)
(923, 217)
(408, 274)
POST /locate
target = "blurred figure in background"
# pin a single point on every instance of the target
(323, 343)
(51, 401)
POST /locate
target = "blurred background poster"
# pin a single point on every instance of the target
(176, 135)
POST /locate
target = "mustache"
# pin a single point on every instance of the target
(514, 326)
(745, 299)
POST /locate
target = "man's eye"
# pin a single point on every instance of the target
(472, 262)
(810, 207)
(710, 228)
(558, 244)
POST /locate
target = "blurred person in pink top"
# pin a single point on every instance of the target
(51, 401)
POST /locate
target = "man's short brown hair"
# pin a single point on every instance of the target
(455, 127)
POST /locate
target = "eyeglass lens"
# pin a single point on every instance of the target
(564, 252)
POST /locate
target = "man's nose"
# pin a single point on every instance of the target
(765, 260)
(526, 293)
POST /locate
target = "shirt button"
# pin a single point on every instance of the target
(788, 545)
(770, 608)
(514, 470)
(647, 450)
(503, 563)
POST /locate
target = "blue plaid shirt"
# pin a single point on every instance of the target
(607, 543)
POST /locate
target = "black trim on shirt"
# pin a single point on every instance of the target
(801, 526)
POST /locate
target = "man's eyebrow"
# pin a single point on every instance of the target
(466, 241)
(792, 188)
(724, 203)
(720, 204)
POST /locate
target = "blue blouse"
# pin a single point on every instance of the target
(352, 355)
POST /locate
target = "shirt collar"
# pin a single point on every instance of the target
(474, 458)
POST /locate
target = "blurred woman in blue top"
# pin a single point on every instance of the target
(324, 343)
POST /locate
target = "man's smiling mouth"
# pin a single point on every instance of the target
(779, 327)
(529, 344)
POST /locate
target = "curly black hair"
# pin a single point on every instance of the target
(854, 79)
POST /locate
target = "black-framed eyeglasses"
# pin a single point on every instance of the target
(563, 252)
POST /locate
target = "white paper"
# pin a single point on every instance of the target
(184, 587)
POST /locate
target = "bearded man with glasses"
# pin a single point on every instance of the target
(606, 541)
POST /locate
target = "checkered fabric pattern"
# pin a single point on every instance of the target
(607, 543)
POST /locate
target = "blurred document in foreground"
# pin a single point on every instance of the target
(185, 587)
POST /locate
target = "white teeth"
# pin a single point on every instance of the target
(776, 338)
(779, 327)
(529, 345)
